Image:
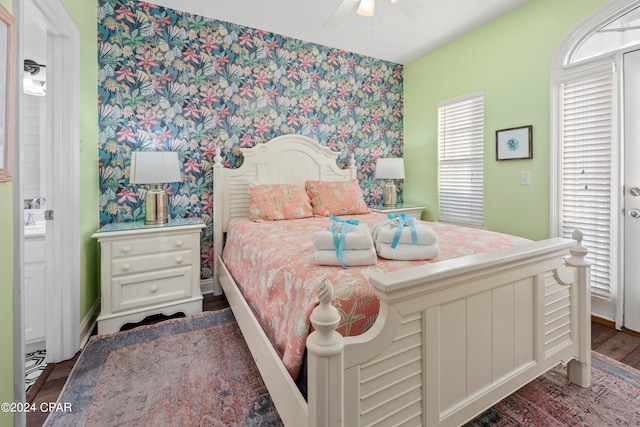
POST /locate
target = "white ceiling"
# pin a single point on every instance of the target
(390, 35)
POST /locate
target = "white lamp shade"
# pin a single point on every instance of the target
(154, 167)
(366, 8)
(390, 168)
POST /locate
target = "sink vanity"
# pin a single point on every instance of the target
(34, 223)
(34, 279)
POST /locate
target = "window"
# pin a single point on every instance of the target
(619, 33)
(587, 142)
(460, 160)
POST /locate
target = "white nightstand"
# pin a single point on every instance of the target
(148, 269)
(413, 210)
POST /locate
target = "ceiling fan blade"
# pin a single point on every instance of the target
(414, 9)
(344, 8)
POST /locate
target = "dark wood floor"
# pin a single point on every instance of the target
(621, 346)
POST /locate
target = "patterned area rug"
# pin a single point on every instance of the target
(198, 371)
(183, 372)
(551, 400)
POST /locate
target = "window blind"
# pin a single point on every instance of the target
(587, 131)
(460, 161)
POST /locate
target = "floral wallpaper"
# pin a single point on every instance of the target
(170, 80)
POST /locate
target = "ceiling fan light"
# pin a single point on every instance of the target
(394, 1)
(366, 8)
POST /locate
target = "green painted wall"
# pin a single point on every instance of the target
(85, 15)
(510, 60)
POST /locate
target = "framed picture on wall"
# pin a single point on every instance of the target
(514, 143)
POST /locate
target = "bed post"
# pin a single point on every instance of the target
(325, 368)
(579, 371)
(218, 229)
(351, 165)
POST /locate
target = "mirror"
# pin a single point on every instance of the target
(7, 91)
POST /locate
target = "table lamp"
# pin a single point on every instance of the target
(155, 168)
(389, 169)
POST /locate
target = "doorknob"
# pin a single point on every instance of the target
(635, 191)
(634, 213)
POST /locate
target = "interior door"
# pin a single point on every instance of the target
(632, 191)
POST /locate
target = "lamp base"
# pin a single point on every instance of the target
(155, 204)
(389, 195)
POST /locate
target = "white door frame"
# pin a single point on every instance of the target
(631, 66)
(63, 178)
(19, 394)
(561, 59)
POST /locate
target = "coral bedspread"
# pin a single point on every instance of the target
(272, 264)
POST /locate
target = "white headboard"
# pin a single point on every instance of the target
(287, 159)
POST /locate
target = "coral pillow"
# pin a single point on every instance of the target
(273, 202)
(336, 198)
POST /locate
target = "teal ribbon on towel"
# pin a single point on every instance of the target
(412, 227)
(338, 239)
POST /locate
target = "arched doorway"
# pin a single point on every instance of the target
(589, 187)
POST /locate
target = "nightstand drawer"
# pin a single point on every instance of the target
(143, 290)
(150, 245)
(153, 262)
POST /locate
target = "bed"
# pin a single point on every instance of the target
(450, 338)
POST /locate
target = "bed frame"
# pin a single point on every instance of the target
(452, 338)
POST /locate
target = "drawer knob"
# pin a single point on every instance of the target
(126, 249)
(154, 288)
(126, 267)
(179, 260)
(179, 243)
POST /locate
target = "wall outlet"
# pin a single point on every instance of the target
(525, 178)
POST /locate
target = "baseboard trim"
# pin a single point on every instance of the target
(611, 324)
(630, 332)
(604, 322)
(89, 322)
(206, 286)
(35, 346)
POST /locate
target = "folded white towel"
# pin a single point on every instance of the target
(356, 237)
(385, 232)
(350, 258)
(407, 252)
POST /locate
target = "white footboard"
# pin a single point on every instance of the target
(453, 338)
